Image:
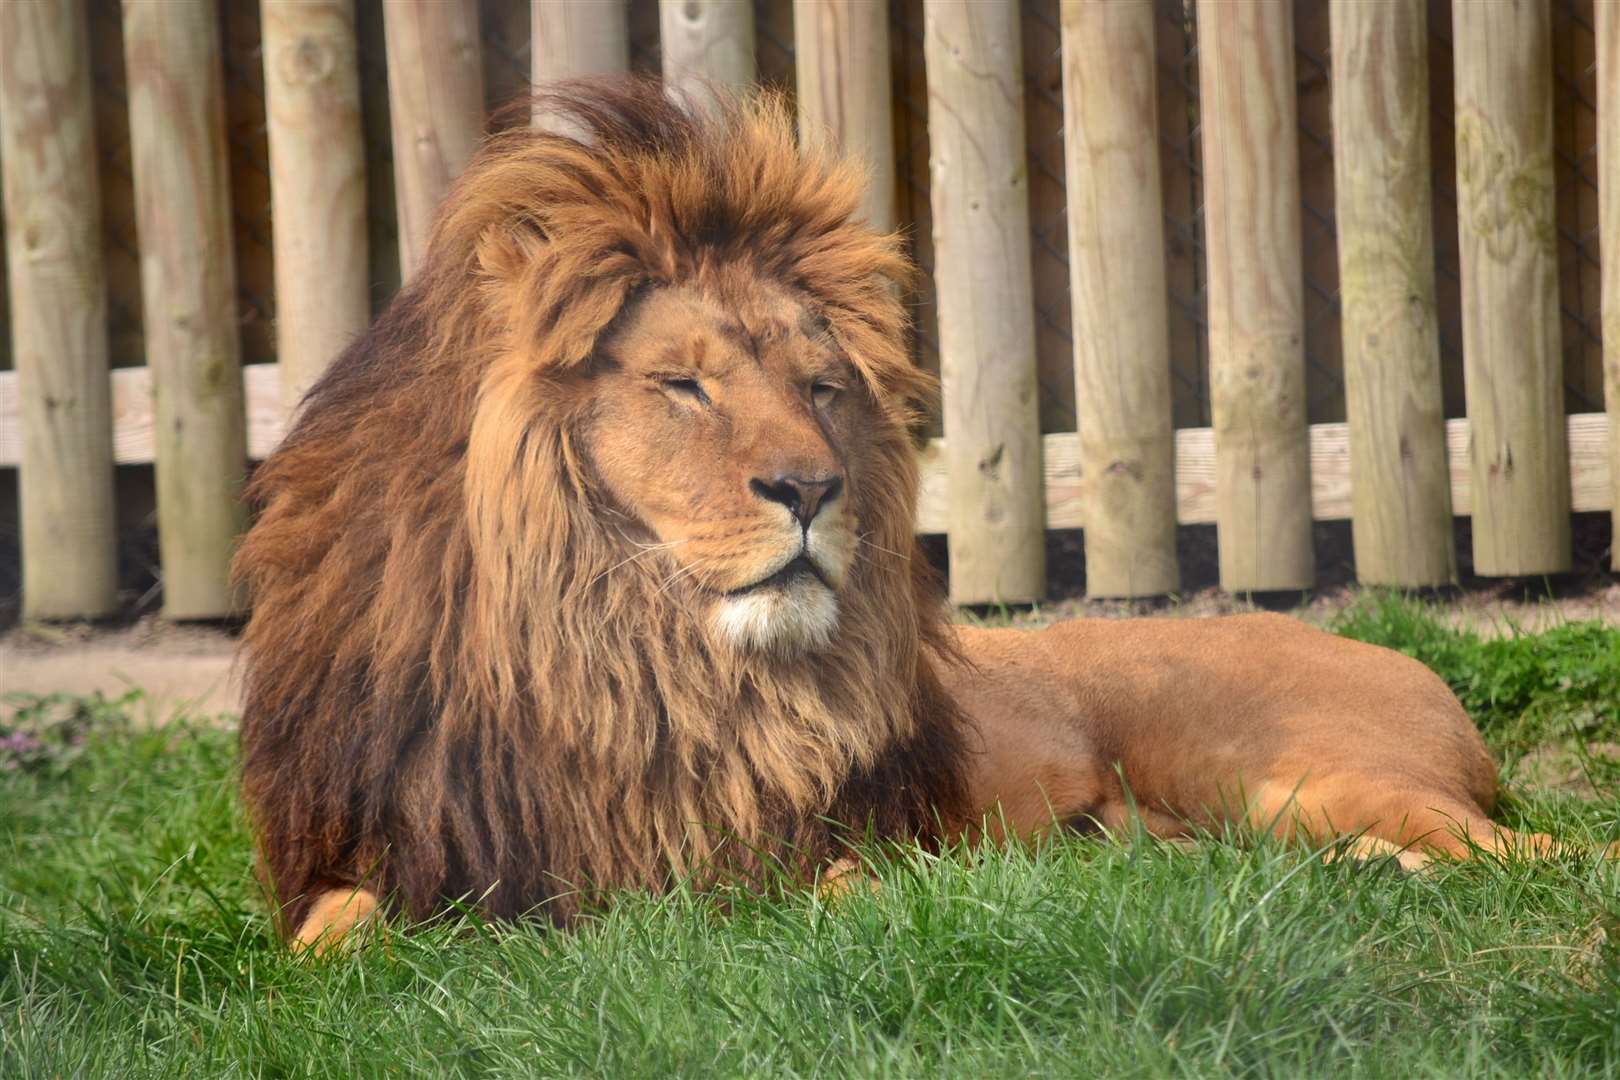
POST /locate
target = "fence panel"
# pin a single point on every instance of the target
(436, 108)
(1121, 323)
(1071, 489)
(1402, 495)
(58, 311)
(1507, 235)
(986, 325)
(1256, 304)
(842, 68)
(317, 185)
(188, 284)
(1608, 82)
(707, 40)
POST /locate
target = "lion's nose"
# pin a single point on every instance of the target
(804, 497)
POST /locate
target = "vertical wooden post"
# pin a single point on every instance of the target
(1256, 306)
(709, 40)
(436, 108)
(317, 185)
(569, 38)
(1400, 486)
(577, 37)
(188, 289)
(980, 195)
(1117, 282)
(58, 311)
(842, 68)
(1507, 237)
(1608, 99)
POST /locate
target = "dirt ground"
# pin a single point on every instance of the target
(180, 667)
(192, 667)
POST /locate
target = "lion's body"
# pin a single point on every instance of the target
(1192, 723)
(590, 567)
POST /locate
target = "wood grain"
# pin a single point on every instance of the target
(1117, 281)
(436, 108)
(1402, 516)
(980, 197)
(58, 298)
(1507, 237)
(188, 290)
(1256, 305)
(571, 38)
(1608, 80)
(841, 65)
(706, 41)
(317, 184)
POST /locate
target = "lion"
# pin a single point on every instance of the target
(591, 567)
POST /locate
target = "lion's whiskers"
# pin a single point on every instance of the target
(646, 549)
(684, 572)
(866, 539)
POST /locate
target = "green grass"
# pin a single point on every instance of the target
(135, 943)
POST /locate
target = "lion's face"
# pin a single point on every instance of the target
(729, 429)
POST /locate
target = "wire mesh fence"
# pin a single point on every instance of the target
(506, 57)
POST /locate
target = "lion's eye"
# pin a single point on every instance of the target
(823, 394)
(684, 386)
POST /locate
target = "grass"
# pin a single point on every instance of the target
(134, 942)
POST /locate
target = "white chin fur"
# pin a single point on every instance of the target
(800, 615)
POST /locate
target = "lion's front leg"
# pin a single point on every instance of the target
(334, 918)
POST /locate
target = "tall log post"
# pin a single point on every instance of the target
(980, 196)
(1508, 239)
(577, 37)
(1400, 486)
(1256, 304)
(58, 294)
(1121, 311)
(436, 108)
(841, 62)
(1608, 99)
(706, 41)
(317, 185)
(188, 289)
(571, 38)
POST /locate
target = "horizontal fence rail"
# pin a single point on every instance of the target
(1065, 493)
(1120, 200)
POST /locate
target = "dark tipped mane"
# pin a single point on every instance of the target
(457, 683)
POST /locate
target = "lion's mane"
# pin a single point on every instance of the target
(462, 680)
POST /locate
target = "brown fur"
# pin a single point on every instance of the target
(464, 676)
(514, 567)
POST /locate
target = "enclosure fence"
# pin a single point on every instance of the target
(1254, 263)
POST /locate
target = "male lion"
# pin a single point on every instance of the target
(591, 566)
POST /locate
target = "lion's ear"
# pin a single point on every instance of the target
(504, 254)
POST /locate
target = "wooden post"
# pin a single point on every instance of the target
(842, 68)
(317, 185)
(436, 108)
(1117, 281)
(188, 288)
(706, 40)
(577, 37)
(1400, 487)
(1608, 99)
(1256, 306)
(58, 311)
(980, 196)
(1507, 238)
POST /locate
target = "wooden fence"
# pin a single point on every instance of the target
(1396, 467)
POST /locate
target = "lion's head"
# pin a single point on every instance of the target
(591, 564)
